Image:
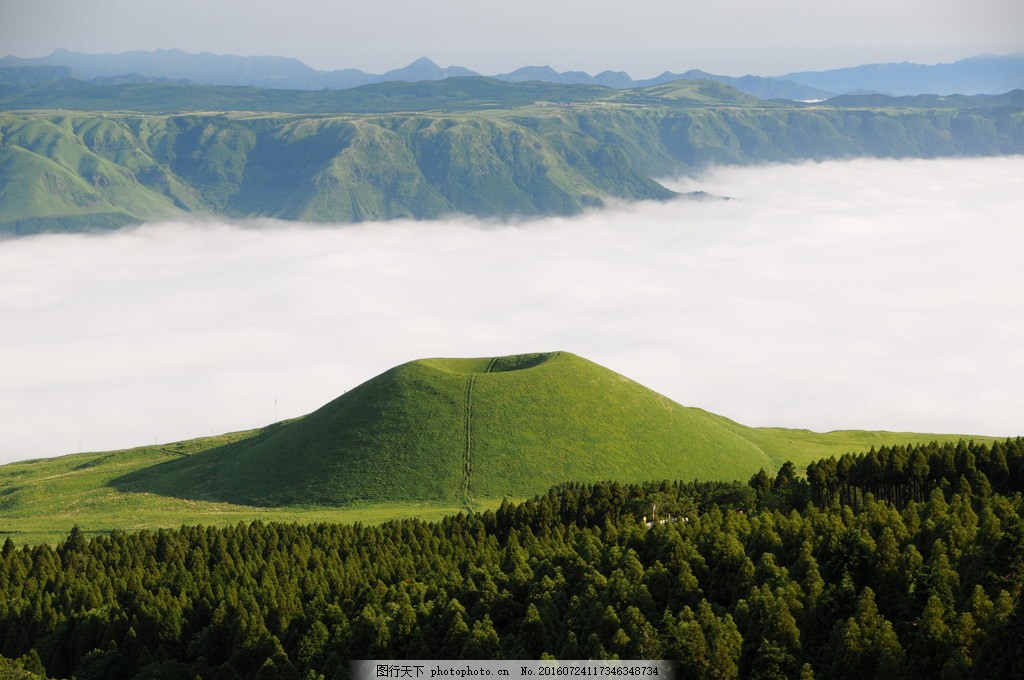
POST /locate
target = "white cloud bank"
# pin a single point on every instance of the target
(864, 294)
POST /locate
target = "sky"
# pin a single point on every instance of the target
(644, 38)
(874, 294)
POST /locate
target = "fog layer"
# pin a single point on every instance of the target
(863, 294)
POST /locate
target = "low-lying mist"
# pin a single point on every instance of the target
(868, 294)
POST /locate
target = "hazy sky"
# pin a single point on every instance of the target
(731, 37)
(864, 294)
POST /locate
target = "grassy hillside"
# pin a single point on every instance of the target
(41, 500)
(62, 172)
(319, 169)
(490, 152)
(454, 430)
(424, 439)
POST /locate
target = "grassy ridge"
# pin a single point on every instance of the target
(332, 169)
(451, 95)
(68, 171)
(75, 171)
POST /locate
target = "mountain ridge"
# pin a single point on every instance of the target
(289, 73)
(503, 150)
(980, 74)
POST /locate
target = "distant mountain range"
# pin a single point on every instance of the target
(984, 74)
(976, 75)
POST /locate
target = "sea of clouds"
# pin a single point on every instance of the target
(872, 294)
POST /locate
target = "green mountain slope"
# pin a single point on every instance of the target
(457, 430)
(321, 169)
(41, 500)
(66, 171)
(428, 149)
(70, 172)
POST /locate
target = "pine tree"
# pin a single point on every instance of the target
(865, 645)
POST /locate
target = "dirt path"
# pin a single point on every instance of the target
(467, 462)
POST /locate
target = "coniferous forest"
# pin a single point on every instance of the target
(903, 562)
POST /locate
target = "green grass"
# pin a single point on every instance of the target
(41, 500)
(80, 172)
(702, 93)
(804, 446)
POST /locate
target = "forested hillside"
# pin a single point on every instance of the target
(781, 577)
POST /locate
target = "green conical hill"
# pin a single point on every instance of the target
(453, 430)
